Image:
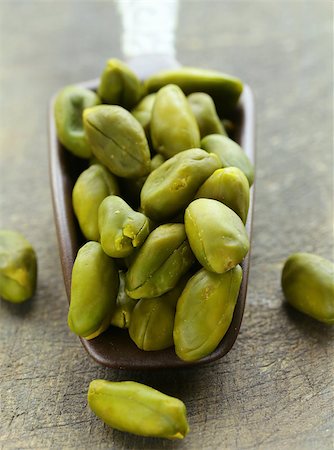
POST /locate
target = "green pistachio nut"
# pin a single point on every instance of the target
(117, 140)
(308, 285)
(143, 111)
(224, 89)
(160, 263)
(135, 408)
(68, 108)
(93, 185)
(157, 161)
(119, 85)
(229, 153)
(173, 124)
(121, 228)
(216, 234)
(122, 314)
(18, 267)
(204, 110)
(170, 187)
(229, 186)
(93, 291)
(204, 312)
(152, 321)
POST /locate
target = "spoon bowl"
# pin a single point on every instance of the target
(114, 348)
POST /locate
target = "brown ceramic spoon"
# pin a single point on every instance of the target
(114, 348)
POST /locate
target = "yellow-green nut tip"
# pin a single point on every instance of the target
(230, 154)
(91, 188)
(18, 267)
(308, 285)
(216, 234)
(94, 290)
(119, 85)
(204, 110)
(135, 408)
(204, 312)
(229, 186)
(117, 140)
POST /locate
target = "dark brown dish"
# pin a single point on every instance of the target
(114, 348)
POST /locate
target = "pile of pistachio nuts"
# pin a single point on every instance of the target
(163, 205)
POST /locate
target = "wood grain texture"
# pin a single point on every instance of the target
(274, 390)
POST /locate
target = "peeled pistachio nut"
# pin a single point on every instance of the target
(122, 314)
(216, 234)
(152, 321)
(156, 161)
(308, 285)
(121, 228)
(229, 186)
(68, 108)
(119, 85)
(204, 312)
(170, 187)
(160, 263)
(143, 111)
(93, 291)
(173, 125)
(93, 185)
(230, 154)
(224, 89)
(204, 110)
(138, 409)
(117, 140)
(18, 267)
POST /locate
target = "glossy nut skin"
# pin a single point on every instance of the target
(224, 89)
(68, 108)
(138, 409)
(92, 186)
(170, 187)
(230, 154)
(216, 234)
(18, 267)
(152, 321)
(204, 110)
(119, 85)
(204, 312)
(121, 228)
(156, 161)
(93, 291)
(308, 285)
(160, 263)
(143, 111)
(117, 140)
(122, 314)
(229, 186)
(173, 125)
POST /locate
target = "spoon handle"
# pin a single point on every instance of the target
(148, 34)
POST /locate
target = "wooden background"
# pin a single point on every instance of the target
(274, 390)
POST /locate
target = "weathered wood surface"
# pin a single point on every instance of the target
(274, 390)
